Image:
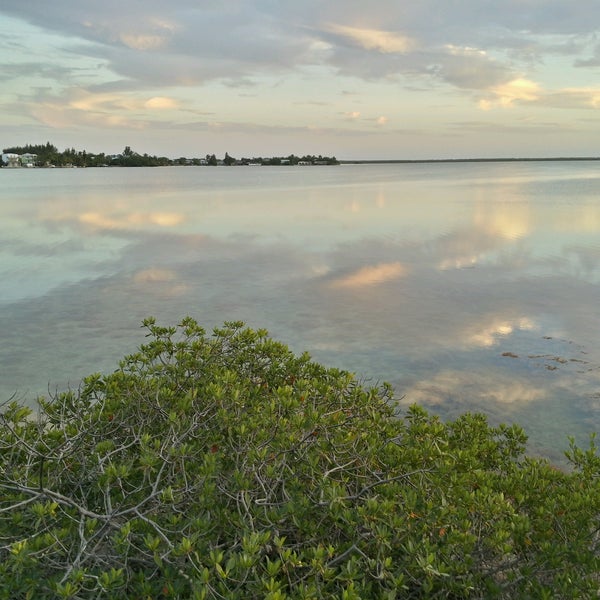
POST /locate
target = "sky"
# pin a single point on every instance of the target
(385, 79)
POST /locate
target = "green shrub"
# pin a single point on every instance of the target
(225, 466)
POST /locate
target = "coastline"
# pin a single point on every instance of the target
(466, 160)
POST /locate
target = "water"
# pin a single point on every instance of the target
(467, 286)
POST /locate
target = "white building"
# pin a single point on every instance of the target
(11, 160)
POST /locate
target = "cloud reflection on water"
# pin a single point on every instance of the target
(371, 275)
(483, 390)
(490, 334)
(127, 221)
(426, 293)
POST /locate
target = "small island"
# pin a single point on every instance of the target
(47, 155)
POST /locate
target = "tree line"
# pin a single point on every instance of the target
(49, 155)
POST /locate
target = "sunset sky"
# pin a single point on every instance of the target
(375, 80)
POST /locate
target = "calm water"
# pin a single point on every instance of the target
(467, 286)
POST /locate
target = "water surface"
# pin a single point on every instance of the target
(468, 286)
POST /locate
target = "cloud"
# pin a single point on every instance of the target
(507, 94)
(528, 127)
(139, 66)
(161, 45)
(90, 102)
(20, 70)
(525, 92)
(160, 102)
(182, 44)
(156, 34)
(593, 61)
(81, 107)
(143, 42)
(386, 42)
(468, 68)
(572, 98)
(58, 115)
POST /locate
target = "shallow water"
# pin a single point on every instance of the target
(468, 286)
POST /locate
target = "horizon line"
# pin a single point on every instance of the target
(477, 159)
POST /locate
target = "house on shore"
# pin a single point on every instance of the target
(28, 160)
(12, 160)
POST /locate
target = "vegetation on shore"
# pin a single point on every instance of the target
(225, 466)
(48, 155)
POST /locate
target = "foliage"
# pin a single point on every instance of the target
(228, 160)
(129, 158)
(45, 152)
(292, 159)
(49, 155)
(225, 466)
(38, 149)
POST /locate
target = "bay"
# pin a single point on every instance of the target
(467, 286)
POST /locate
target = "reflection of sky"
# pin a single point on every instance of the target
(467, 286)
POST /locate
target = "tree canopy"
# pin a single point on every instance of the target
(226, 466)
(49, 155)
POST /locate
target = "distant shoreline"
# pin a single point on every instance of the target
(317, 162)
(463, 160)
